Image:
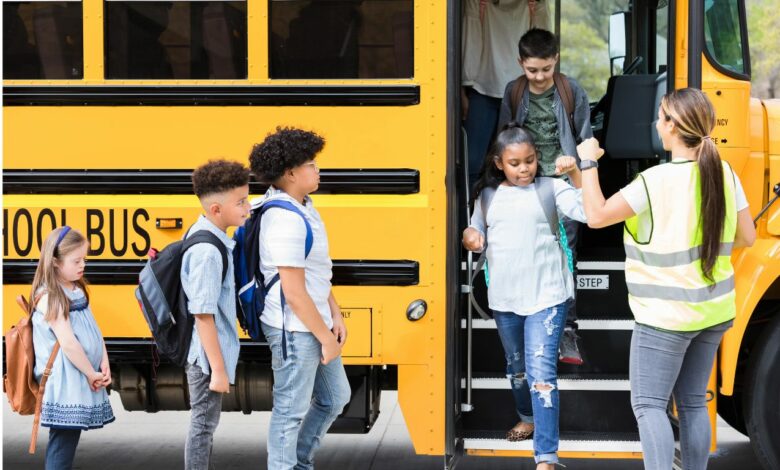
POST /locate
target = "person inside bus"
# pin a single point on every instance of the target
(682, 219)
(530, 279)
(490, 31)
(539, 108)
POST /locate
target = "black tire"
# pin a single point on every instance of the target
(761, 402)
(730, 409)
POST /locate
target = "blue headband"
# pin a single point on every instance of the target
(65, 230)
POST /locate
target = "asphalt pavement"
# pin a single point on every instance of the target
(138, 440)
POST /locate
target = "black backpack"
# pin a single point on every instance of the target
(162, 298)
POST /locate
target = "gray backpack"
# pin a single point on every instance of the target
(545, 191)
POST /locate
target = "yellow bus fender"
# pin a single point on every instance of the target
(755, 270)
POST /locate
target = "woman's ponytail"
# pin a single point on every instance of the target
(694, 117)
(713, 205)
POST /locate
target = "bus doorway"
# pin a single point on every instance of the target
(595, 410)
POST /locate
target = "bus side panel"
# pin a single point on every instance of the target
(755, 269)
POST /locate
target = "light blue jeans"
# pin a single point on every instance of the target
(308, 396)
(531, 348)
(662, 364)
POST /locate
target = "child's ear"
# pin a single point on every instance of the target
(215, 208)
(497, 162)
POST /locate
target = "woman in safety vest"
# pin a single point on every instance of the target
(682, 220)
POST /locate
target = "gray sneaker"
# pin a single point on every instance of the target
(569, 353)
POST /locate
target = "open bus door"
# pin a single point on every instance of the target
(596, 419)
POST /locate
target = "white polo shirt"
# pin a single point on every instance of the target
(282, 243)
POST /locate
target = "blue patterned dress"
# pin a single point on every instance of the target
(68, 402)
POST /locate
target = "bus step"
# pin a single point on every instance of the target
(566, 382)
(594, 324)
(569, 442)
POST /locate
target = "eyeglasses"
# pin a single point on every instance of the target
(313, 165)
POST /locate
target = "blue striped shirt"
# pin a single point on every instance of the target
(201, 277)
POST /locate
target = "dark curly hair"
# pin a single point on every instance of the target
(218, 176)
(282, 150)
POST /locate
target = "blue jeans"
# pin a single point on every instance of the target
(531, 349)
(62, 448)
(308, 397)
(480, 125)
(662, 364)
(206, 407)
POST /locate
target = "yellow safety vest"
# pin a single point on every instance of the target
(666, 287)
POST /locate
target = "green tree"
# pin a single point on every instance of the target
(764, 38)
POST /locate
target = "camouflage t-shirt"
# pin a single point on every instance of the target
(543, 125)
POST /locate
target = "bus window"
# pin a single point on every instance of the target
(723, 35)
(661, 35)
(42, 40)
(176, 40)
(584, 37)
(341, 39)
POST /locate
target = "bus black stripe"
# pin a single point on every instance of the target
(332, 181)
(345, 272)
(166, 95)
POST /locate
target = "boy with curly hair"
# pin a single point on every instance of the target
(223, 189)
(301, 319)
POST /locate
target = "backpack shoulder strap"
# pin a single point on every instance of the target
(545, 191)
(204, 236)
(567, 98)
(485, 199)
(518, 89)
(287, 205)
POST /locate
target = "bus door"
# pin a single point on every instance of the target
(624, 76)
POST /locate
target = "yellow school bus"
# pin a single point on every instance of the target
(109, 105)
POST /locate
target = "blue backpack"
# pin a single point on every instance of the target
(251, 287)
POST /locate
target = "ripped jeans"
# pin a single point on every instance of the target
(531, 348)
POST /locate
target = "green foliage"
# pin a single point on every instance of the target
(584, 42)
(764, 37)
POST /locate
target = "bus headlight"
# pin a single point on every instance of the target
(416, 310)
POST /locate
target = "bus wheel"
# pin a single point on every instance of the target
(761, 404)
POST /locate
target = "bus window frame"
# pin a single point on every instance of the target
(743, 33)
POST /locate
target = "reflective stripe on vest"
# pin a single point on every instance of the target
(663, 253)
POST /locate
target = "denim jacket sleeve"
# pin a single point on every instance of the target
(582, 127)
(505, 113)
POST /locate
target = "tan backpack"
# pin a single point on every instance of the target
(24, 393)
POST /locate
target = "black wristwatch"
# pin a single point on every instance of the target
(588, 164)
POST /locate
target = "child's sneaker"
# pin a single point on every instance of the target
(569, 353)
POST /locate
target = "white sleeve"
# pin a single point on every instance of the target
(569, 200)
(635, 194)
(742, 202)
(283, 233)
(477, 218)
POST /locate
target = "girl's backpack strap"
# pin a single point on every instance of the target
(545, 191)
(485, 199)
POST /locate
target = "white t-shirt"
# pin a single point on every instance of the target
(490, 45)
(525, 263)
(282, 243)
(635, 194)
